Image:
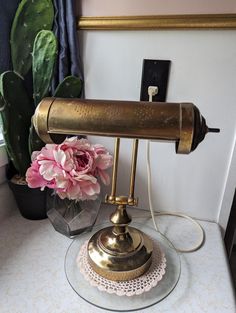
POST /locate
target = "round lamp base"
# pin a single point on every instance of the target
(114, 302)
(120, 257)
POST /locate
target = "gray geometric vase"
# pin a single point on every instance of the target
(71, 218)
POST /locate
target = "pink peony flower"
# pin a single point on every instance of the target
(73, 169)
(33, 177)
(103, 161)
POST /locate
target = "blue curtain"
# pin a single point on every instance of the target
(68, 62)
(7, 13)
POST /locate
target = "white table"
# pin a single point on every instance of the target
(32, 278)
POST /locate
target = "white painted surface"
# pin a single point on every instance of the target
(203, 72)
(152, 7)
(229, 190)
(33, 279)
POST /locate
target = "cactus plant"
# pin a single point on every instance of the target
(70, 87)
(30, 30)
(32, 46)
(31, 17)
(17, 111)
(44, 57)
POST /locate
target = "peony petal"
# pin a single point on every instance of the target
(59, 156)
(61, 182)
(105, 178)
(73, 192)
(46, 170)
(90, 189)
(33, 178)
(34, 155)
(104, 161)
(85, 177)
(47, 152)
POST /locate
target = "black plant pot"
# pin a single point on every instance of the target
(32, 203)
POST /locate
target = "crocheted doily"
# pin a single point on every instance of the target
(129, 288)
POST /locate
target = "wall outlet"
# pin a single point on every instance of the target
(155, 73)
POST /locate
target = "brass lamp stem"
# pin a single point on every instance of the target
(112, 197)
(120, 217)
(131, 200)
(120, 220)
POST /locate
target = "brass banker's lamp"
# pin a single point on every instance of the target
(121, 252)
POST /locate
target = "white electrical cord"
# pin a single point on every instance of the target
(153, 90)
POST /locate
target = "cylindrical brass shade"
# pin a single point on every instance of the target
(179, 122)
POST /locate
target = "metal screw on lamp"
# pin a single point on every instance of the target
(121, 252)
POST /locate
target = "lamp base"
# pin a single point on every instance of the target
(112, 302)
(118, 255)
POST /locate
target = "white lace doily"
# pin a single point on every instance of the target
(125, 288)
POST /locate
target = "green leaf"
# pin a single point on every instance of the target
(70, 87)
(44, 57)
(31, 17)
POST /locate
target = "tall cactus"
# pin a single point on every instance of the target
(70, 87)
(16, 116)
(44, 57)
(32, 44)
(31, 17)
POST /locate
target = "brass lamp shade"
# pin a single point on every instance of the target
(121, 252)
(179, 122)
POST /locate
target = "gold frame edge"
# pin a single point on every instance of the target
(154, 22)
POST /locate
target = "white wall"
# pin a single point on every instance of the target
(154, 7)
(8, 203)
(203, 71)
(229, 190)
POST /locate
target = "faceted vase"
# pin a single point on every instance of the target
(71, 218)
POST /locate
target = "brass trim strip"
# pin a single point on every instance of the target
(152, 22)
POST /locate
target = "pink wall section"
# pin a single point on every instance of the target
(154, 7)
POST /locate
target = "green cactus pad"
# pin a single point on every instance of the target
(4, 115)
(31, 17)
(35, 143)
(2, 103)
(70, 87)
(16, 117)
(44, 57)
